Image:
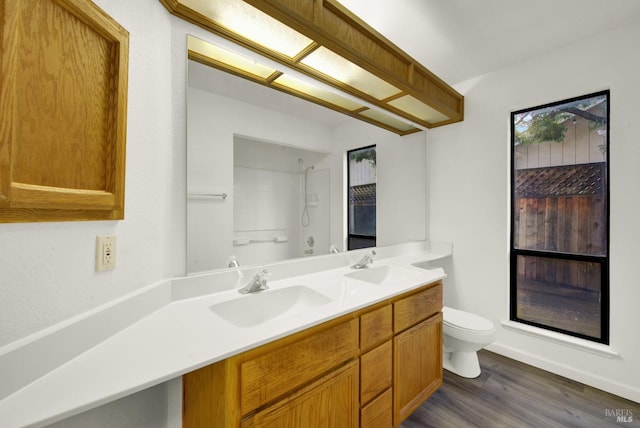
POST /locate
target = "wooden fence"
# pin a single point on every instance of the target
(565, 224)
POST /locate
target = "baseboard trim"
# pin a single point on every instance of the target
(622, 390)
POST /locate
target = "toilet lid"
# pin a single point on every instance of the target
(465, 320)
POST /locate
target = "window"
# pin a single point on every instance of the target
(560, 217)
(361, 194)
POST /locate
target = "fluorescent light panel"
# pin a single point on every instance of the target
(242, 65)
(392, 122)
(344, 71)
(246, 65)
(418, 109)
(228, 58)
(252, 24)
(314, 91)
(310, 69)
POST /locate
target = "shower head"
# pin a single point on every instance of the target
(301, 162)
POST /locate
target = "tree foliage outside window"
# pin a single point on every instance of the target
(549, 124)
(368, 154)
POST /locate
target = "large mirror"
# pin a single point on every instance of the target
(266, 175)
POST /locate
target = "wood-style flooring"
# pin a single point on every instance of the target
(511, 394)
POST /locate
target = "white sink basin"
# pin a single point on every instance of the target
(253, 309)
(385, 275)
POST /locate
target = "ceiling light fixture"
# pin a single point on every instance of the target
(224, 55)
(318, 50)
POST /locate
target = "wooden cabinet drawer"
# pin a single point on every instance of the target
(417, 307)
(376, 327)
(331, 401)
(375, 371)
(378, 413)
(274, 373)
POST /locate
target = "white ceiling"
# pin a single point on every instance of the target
(461, 39)
(455, 39)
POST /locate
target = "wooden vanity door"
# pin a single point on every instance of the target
(418, 366)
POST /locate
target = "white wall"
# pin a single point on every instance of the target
(266, 205)
(318, 216)
(156, 407)
(47, 269)
(469, 198)
(401, 189)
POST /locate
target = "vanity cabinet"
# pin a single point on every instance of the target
(418, 332)
(370, 368)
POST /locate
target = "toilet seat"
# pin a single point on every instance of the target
(462, 320)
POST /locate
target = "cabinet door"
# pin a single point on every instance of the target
(417, 367)
(63, 92)
(330, 402)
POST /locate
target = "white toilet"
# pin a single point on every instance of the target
(464, 335)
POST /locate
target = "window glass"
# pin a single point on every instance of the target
(560, 216)
(362, 197)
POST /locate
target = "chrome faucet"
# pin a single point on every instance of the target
(365, 261)
(258, 283)
(334, 249)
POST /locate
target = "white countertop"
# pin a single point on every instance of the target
(176, 332)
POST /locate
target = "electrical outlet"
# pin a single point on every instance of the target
(105, 253)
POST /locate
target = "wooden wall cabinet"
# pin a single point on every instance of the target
(63, 98)
(370, 368)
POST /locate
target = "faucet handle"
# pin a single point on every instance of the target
(370, 256)
(261, 278)
(233, 262)
(264, 273)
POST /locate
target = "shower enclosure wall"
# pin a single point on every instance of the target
(280, 205)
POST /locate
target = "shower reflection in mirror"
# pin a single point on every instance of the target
(281, 201)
